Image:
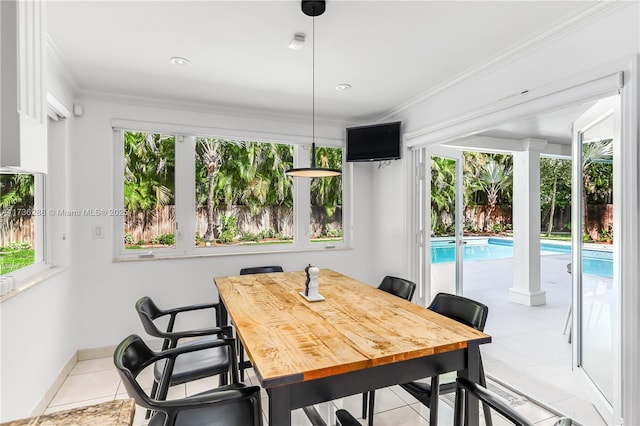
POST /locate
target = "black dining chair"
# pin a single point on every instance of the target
(244, 364)
(469, 312)
(398, 287)
(194, 365)
(489, 399)
(230, 405)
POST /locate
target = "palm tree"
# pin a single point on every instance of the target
(443, 189)
(494, 177)
(593, 153)
(555, 185)
(327, 192)
(148, 175)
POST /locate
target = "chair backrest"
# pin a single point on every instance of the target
(132, 356)
(148, 311)
(260, 270)
(464, 310)
(398, 287)
(233, 405)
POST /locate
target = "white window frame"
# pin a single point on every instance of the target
(185, 151)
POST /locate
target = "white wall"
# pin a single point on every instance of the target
(107, 290)
(38, 326)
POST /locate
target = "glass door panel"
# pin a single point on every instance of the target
(596, 295)
(445, 214)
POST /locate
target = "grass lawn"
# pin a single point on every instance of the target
(12, 260)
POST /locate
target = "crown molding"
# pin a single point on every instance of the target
(172, 104)
(53, 52)
(562, 28)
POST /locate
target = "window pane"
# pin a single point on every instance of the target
(18, 221)
(242, 194)
(326, 198)
(149, 190)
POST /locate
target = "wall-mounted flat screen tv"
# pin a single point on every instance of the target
(377, 142)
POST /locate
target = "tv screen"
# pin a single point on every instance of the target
(374, 143)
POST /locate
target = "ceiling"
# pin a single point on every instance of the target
(389, 51)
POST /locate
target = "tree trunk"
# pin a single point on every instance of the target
(485, 224)
(209, 234)
(553, 205)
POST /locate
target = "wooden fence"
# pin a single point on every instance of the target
(278, 219)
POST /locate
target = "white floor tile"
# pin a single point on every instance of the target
(62, 407)
(403, 416)
(83, 387)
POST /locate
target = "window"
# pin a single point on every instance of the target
(242, 194)
(326, 199)
(191, 195)
(149, 188)
(21, 221)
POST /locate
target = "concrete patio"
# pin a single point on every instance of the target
(529, 351)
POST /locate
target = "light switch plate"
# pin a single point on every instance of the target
(96, 232)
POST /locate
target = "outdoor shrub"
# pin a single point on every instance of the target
(330, 232)
(269, 233)
(248, 236)
(228, 228)
(497, 228)
(19, 245)
(164, 239)
(140, 242)
(128, 239)
(471, 226)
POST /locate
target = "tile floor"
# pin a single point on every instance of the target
(95, 381)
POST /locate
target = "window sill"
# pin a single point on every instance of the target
(26, 282)
(164, 256)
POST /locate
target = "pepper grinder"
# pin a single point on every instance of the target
(312, 294)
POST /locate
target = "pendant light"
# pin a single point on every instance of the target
(313, 8)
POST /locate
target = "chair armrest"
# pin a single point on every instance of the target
(563, 421)
(233, 392)
(171, 354)
(174, 336)
(346, 419)
(490, 399)
(198, 307)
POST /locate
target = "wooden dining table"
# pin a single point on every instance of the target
(358, 339)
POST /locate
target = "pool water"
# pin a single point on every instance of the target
(595, 262)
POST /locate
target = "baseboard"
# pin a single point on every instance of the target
(53, 389)
(93, 353)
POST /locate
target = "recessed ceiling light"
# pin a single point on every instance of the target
(297, 41)
(177, 60)
(343, 87)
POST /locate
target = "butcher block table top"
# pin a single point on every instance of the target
(112, 413)
(289, 339)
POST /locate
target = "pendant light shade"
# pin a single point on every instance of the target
(313, 8)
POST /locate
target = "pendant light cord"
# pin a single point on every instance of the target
(313, 91)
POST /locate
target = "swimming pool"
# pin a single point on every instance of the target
(595, 262)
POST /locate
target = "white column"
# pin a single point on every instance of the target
(526, 288)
